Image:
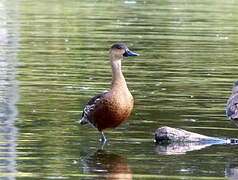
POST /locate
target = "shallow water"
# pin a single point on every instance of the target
(54, 57)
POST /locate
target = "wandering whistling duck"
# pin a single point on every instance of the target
(111, 108)
(232, 103)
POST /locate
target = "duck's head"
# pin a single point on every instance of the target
(235, 87)
(117, 51)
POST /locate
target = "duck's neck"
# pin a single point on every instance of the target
(118, 80)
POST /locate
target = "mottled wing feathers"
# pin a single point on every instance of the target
(232, 107)
(96, 98)
(89, 107)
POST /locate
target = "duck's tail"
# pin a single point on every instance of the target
(83, 121)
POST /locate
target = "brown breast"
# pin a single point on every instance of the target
(114, 108)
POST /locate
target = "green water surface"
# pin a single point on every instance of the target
(54, 57)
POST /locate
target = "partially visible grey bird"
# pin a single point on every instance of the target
(232, 103)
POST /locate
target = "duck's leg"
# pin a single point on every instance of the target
(102, 137)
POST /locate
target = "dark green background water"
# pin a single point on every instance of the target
(54, 57)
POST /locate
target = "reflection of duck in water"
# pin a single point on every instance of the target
(107, 166)
(109, 109)
(232, 103)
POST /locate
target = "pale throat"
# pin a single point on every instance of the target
(118, 80)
